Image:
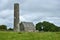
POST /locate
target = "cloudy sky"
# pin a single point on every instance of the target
(30, 11)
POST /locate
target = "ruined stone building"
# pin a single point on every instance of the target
(27, 27)
(23, 26)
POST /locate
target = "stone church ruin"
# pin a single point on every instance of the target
(27, 26)
(23, 26)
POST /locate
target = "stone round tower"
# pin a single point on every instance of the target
(16, 17)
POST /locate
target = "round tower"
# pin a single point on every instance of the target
(16, 17)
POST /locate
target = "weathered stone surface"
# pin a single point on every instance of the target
(27, 27)
(16, 17)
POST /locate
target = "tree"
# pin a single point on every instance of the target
(3, 27)
(38, 26)
(58, 28)
(10, 29)
(47, 26)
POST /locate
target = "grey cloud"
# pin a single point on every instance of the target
(47, 6)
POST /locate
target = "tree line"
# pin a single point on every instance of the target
(4, 28)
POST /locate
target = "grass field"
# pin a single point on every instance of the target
(30, 36)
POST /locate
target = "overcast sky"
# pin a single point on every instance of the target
(30, 11)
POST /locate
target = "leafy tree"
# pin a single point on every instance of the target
(47, 26)
(3, 27)
(58, 28)
(10, 29)
(38, 26)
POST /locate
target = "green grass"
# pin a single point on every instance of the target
(30, 36)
